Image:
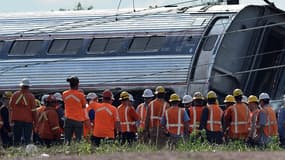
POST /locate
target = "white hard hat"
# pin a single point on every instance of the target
(187, 99)
(131, 97)
(58, 96)
(91, 96)
(244, 99)
(264, 96)
(44, 97)
(25, 82)
(147, 93)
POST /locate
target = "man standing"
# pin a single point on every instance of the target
(142, 110)
(195, 111)
(267, 121)
(154, 114)
(106, 121)
(211, 119)
(23, 107)
(253, 106)
(281, 124)
(128, 117)
(74, 102)
(176, 121)
(237, 118)
(5, 131)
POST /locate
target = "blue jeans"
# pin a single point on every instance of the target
(22, 132)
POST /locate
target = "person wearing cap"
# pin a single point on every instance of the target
(106, 121)
(23, 108)
(5, 129)
(195, 112)
(266, 121)
(89, 114)
(157, 108)
(74, 102)
(60, 110)
(229, 101)
(48, 122)
(211, 119)
(253, 106)
(175, 121)
(142, 110)
(237, 118)
(187, 103)
(281, 124)
(128, 117)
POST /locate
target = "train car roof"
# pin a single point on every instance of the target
(102, 21)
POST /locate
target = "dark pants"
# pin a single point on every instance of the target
(22, 130)
(6, 139)
(70, 127)
(282, 142)
(214, 137)
(96, 141)
(128, 137)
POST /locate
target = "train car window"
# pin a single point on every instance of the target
(155, 43)
(210, 43)
(18, 48)
(65, 46)
(114, 44)
(73, 46)
(58, 46)
(98, 45)
(139, 44)
(1, 45)
(33, 47)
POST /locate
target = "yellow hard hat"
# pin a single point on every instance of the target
(229, 98)
(198, 95)
(159, 89)
(124, 95)
(252, 98)
(174, 97)
(7, 94)
(211, 94)
(237, 92)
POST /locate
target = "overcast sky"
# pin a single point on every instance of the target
(48, 5)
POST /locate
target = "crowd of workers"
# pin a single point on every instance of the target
(155, 121)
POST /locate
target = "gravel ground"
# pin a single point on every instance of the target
(172, 156)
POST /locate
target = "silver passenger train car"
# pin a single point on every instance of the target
(214, 47)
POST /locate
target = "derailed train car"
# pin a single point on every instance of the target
(214, 47)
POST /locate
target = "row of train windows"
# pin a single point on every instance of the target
(97, 46)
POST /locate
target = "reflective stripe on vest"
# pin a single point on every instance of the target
(104, 109)
(152, 117)
(73, 97)
(141, 112)
(21, 97)
(43, 116)
(179, 125)
(211, 122)
(55, 128)
(195, 123)
(236, 122)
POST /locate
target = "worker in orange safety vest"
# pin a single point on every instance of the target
(267, 123)
(211, 119)
(48, 122)
(128, 117)
(156, 110)
(237, 118)
(142, 110)
(175, 121)
(253, 106)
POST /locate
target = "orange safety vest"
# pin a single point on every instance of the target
(240, 120)
(128, 117)
(253, 123)
(157, 110)
(214, 122)
(142, 110)
(174, 120)
(195, 117)
(270, 128)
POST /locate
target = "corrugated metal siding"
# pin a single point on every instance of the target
(90, 21)
(97, 71)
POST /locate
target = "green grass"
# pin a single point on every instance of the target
(85, 148)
